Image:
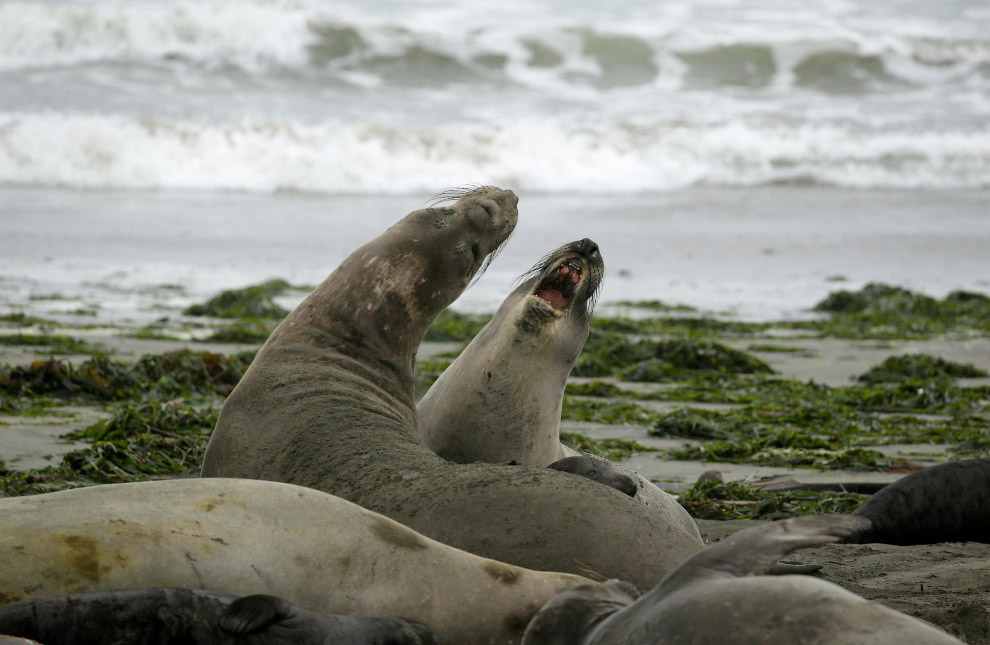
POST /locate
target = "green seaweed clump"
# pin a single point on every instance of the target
(53, 344)
(257, 301)
(609, 353)
(717, 500)
(250, 331)
(787, 449)
(897, 369)
(179, 373)
(451, 325)
(655, 305)
(883, 311)
(151, 440)
(613, 449)
(687, 423)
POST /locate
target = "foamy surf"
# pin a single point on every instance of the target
(98, 151)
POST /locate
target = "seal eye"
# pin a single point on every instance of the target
(591, 473)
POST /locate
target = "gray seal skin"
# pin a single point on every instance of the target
(195, 617)
(598, 470)
(328, 403)
(713, 598)
(501, 399)
(949, 502)
(247, 537)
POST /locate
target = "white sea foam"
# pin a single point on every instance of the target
(94, 151)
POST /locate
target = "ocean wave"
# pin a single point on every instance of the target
(271, 37)
(100, 151)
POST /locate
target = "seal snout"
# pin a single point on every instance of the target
(576, 264)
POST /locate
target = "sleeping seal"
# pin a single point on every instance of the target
(328, 403)
(247, 537)
(711, 598)
(194, 617)
(500, 400)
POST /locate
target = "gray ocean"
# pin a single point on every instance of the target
(737, 155)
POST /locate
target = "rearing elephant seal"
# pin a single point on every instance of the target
(328, 403)
(501, 399)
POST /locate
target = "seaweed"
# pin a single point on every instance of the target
(138, 443)
(451, 325)
(613, 449)
(256, 301)
(883, 311)
(249, 331)
(179, 373)
(897, 369)
(655, 305)
(717, 500)
(54, 344)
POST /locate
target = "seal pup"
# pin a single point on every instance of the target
(598, 470)
(501, 398)
(247, 537)
(328, 403)
(195, 617)
(712, 598)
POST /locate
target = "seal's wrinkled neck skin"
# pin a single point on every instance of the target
(501, 399)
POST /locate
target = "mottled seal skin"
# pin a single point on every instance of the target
(501, 399)
(246, 537)
(949, 502)
(328, 403)
(598, 470)
(195, 617)
(711, 598)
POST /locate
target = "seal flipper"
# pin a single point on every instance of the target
(597, 469)
(754, 550)
(253, 613)
(949, 502)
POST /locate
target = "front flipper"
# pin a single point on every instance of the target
(752, 551)
(253, 613)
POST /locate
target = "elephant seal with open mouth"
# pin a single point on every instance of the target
(328, 403)
(501, 399)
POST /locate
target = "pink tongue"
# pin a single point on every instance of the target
(553, 296)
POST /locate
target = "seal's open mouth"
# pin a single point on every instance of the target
(558, 287)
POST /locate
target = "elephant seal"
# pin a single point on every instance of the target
(949, 502)
(711, 599)
(598, 470)
(501, 399)
(194, 617)
(328, 403)
(248, 537)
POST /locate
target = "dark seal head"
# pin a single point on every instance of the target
(500, 400)
(195, 617)
(599, 470)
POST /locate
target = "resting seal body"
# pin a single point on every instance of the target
(711, 598)
(501, 399)
(194, 617)
(949, 502)
(247, 537)
(328, 403)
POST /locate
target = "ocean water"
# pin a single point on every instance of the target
(205, 138)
